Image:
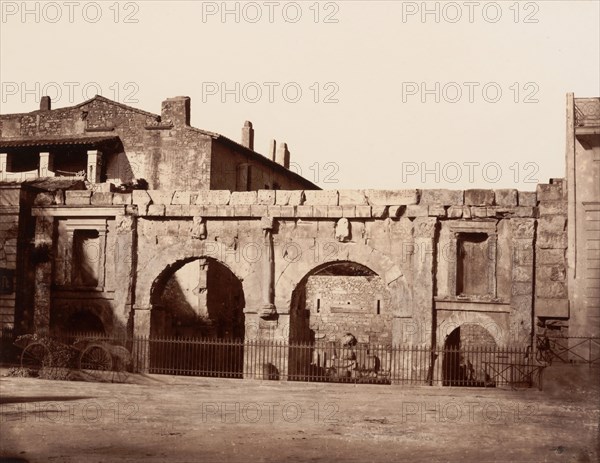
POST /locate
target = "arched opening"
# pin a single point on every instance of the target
(197, 320)
(467, 351)
(333, 301)
(72, 322)
(84, 322)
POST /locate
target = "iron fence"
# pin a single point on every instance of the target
(563, 349)
(279, 360)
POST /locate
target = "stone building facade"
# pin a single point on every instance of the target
(220, 255)
(113, 143)
(581, 287)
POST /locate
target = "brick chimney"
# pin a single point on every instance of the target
(271, 150)
(45, 103)
(283, 155)
(176, 110)
(248, 135)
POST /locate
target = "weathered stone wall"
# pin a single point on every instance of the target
(108, 299)
(17, 256)
(551, 299)
(349, 304)
(380, 232)
(583, 181)
(407, 238)
(475, 336)
(58, 296)
(10, 197)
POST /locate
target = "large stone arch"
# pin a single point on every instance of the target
(163, 315)
(197, 297)
(293, 273)
(177, 254)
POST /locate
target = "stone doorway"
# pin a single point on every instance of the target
(199, 303)
(466, 351)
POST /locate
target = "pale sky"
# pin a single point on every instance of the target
(381, 65)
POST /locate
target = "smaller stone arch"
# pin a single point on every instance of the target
(496, 329)
(86, 322)
(468, 349)
(81, 319)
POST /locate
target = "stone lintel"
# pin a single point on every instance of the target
(66, 211)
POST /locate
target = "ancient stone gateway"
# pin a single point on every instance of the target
(390, 267)
(148, 254)
(197, 298)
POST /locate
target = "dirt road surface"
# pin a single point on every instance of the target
(178, 419)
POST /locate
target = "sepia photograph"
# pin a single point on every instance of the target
(300, 231)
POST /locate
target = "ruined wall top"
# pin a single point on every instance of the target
(412, 203)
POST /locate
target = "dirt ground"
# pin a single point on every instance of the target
(166, 418)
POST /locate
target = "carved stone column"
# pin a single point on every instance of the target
(268, 309)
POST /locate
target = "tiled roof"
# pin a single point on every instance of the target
(52, 141)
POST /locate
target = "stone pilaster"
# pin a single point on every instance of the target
(141, 333)
(94, 166)
(492, 258)
(265, 324)
(202, 288)
(521, 300)
(46, 168)
(44, 230)
(3, 165)
(124, 265)
(423, 275)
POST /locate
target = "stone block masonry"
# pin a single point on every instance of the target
(551, 298)
(444, 204)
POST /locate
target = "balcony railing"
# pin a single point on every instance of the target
(37, 173)
(587, 112)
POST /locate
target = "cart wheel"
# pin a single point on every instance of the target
(95, 360)
(35, 356)
(120, 372)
